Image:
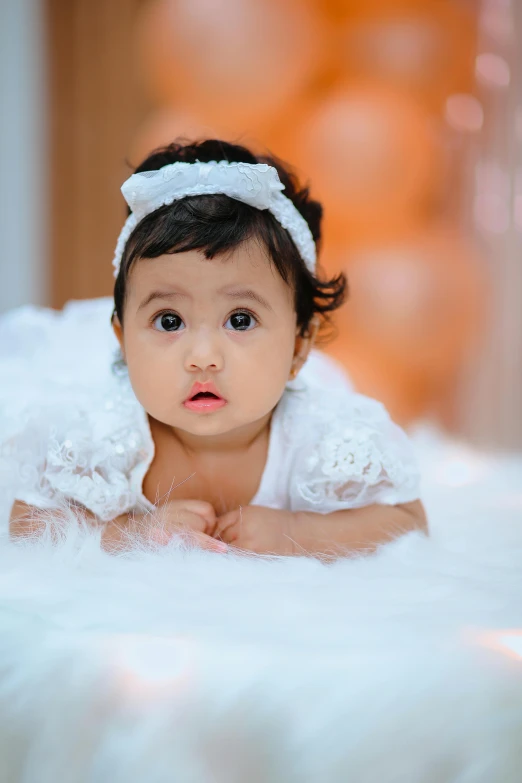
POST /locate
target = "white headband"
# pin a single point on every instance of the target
(255, 184)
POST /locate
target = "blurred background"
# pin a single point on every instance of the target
(404, 115)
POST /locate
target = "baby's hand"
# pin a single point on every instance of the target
(194, 520)
(258, 529)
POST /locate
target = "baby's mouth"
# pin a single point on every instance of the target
(204, 398)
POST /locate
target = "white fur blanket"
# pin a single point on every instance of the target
(194, 667)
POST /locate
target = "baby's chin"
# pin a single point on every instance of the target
(230, 420)
(205, 424)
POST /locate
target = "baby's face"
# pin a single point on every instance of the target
(228, 324)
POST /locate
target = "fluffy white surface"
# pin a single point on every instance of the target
(202, 668)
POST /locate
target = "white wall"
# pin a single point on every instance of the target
(23, 155)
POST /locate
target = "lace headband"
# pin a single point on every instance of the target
(255, 184)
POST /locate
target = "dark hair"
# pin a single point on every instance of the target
(216, 224)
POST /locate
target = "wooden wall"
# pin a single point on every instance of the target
(95, 105)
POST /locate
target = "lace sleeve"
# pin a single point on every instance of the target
(68, 454)
(358, 457)
(23, 457)
(70, 430)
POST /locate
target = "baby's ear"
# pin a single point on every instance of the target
(303, 346)
(118, 331)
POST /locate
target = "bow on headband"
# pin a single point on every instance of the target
(255, 184)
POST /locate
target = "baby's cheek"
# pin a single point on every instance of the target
(260, 387)
(275, 353)
(152, 384)
(278, 365)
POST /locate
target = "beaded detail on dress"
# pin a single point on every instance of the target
(96, 456)
(349, 453)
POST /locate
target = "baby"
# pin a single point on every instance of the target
(208, 429)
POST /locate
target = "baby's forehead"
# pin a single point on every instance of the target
(194, 276)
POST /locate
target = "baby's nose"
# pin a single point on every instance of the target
(204, 354)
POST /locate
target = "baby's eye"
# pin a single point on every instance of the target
(168, 322)
(241, 322)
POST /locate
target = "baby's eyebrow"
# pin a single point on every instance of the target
(246, 293)
(161, 295)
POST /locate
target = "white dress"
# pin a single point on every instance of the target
(71, 428)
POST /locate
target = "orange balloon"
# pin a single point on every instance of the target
(280, 137)
(164, 126)
(236, 59)
(372, 156)
(340, 9)
(407, 395)
(429, 50)
(415, 309)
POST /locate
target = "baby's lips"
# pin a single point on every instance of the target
(202, 388)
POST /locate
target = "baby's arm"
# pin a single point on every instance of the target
(190, 518)
(25, 520)
(270, 531)
(357, 529)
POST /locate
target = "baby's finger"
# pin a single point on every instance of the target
(228, 527)
(162, 536)
(207, 542)
(231, 535)
(203, 509)
(225, 521)
(198, 507)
